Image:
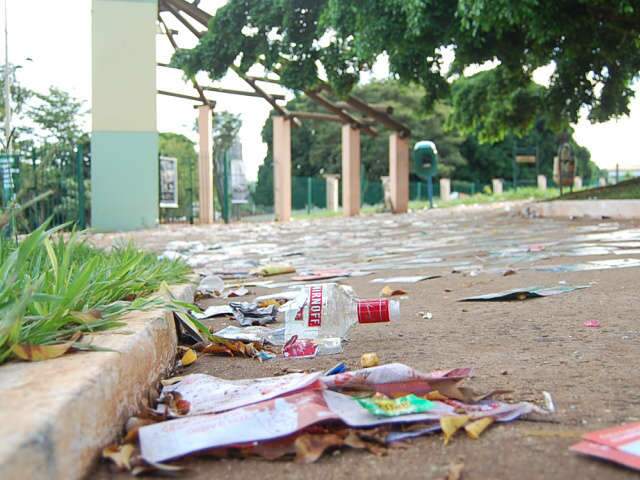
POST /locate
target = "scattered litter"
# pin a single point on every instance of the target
(188, 332)
(593, 265)
(211, 285)
(368, 360)
(524, 293)
(238, 292)
(426, 315)
(387, 291)
(251, 314)
(408, 279)
(383, 406)
(339, 368)
(271, 416)
(275, 269)
(300, 348)
(213, 311)
(327, 312)
(508, 272)
(617, 444)
(592, 324)
(253, 334)
(548, 402)
(317, 275)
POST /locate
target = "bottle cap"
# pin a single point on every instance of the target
(377, 310)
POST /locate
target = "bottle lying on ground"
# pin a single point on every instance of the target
(325, 313)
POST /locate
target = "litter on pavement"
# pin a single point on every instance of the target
(246, 416)
(524, 293)
(617, 444)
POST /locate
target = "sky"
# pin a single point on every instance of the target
(57, 40)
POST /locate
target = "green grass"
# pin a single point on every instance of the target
(625, 190)
(52, 287)
(522, 193)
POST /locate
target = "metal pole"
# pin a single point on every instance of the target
(191, 192)
(225, 187)
(419, 190)
(309, 196)
(514, 165)
(80, 188)
(617, 173)
(430, 190)
(7, 84)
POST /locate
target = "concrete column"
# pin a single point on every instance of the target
(542, 182)
(282, 168)
(577, 182)
(399, 173)
(602, 182)
(205, 165)
(124, 137)
(333, 191)
(445, 189)
(496, 185)
(350, 170)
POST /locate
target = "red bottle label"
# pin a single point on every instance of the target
(315, 306)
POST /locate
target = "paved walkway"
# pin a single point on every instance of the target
(526, 346)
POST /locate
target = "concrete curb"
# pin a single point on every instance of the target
(57, 415)
(616, 209)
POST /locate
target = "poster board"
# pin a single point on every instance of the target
(168, 182)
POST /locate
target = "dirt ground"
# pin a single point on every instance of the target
(524, 346)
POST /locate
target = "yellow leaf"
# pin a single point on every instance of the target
(450, 425)
(368, 360)
(188, 358)
(36, 353)
(120, 455)
(475, 429)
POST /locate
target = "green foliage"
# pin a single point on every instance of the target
(316, 146)
(593, 45)
(180, 147)
(51, 288)
(58, 117)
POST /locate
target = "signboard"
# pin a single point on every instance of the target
(525, 159)
(168, 182)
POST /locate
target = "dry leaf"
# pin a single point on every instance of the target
(87, 317)
(450, 425)
(147, 467)
(310, 448)
(171, 381)
(188, 358)
(387, 291)
(120, 455)
(134, 424)
(36, 353)
(475, 429)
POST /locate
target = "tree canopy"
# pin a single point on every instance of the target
(593, 45)
(316, 145)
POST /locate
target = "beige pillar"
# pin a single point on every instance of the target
(602, 182)
(542, 182)
(205, 166)
(577, 182)
(496, 185)
(333, 192)
(350, 170)
(445, 189)
(282, 168)
(399, 173)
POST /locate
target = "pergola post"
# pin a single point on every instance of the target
(282, 168)
(350, 170)
(124, 140)
(399, 173)
(205, 165)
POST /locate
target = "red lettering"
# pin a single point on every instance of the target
(315, 306)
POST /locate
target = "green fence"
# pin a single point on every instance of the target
(61, 177)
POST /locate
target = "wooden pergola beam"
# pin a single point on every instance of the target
(212, 103)
(346, 118)
(230, 91)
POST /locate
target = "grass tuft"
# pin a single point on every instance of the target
(51, 288)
